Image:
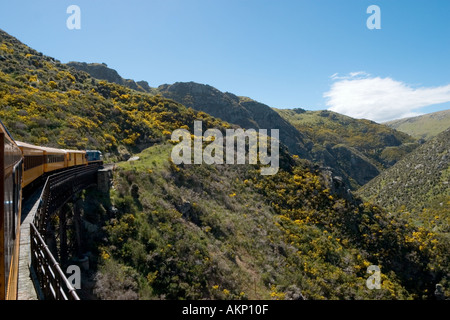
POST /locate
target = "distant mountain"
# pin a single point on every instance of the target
(356, 150)
(243, 111)
(421, 179)
(101, 71)
(423, 127)
(359, 148)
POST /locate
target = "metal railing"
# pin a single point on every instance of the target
(59, 188)
(52, 280)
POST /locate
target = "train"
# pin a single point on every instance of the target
(22, 165)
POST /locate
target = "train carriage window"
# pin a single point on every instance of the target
(13, 204)
(53, 158)
(9, 221)
(33, 161)
(16, 177)
(12, 199)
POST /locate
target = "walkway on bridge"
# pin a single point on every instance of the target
(27, 290)
(48, 281)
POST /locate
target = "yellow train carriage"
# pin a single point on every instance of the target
(40, 160)
(75, 158)
(33, 162)
(54, 159)
(10, 209)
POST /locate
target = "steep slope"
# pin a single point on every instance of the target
(361, 149)
(421, 179)
(418, 189)
(424, 127)
(242, 111)
(215, 232)
(48, 103)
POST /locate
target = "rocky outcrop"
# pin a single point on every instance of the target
(245, 112)
(354, 163)
(101, 71)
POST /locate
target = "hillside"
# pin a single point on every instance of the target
(360, 148)
(424, 127)
(420, 180)
(169, 231)
(242, 111)
(356, 150)
(226, 232)
(48, 103)
(418, 189)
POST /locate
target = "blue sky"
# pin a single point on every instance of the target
(313, 54)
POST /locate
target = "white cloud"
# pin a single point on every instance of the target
(360, 95)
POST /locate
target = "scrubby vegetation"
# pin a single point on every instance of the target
(360, 148)
(170, 231)
(356, 150)
(420, 180)
(214, 232)
(368, 137)
(47, 103)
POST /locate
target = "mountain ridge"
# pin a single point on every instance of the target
(354, 165)
(242, 111)
(425, 126)
(361, 148)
